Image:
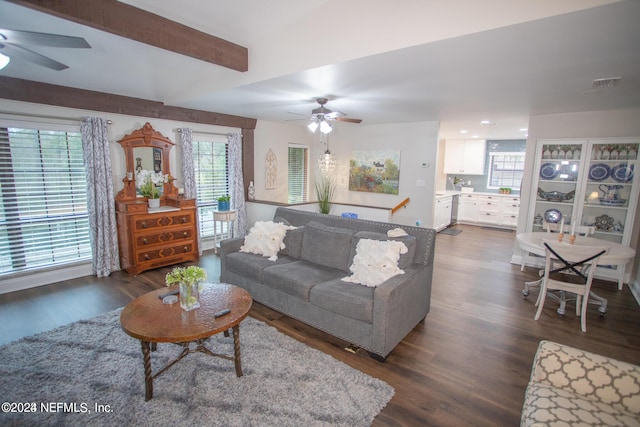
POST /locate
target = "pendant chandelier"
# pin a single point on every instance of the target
(327, 160)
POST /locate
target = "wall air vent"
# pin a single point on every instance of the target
(605, 83)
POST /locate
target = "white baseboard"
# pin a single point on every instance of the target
(33, 280)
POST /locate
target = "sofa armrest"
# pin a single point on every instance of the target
(399, 305)
(228, 246)
(590, 375)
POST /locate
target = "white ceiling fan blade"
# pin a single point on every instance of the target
(18, 52)
(43, 39)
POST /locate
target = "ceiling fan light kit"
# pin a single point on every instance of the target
(12, 41)
(322, 116)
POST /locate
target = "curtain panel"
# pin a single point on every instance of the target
(237, 183)
(100, 196)
(188, 174)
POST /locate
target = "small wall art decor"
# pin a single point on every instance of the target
(271, 168)
(375, 171)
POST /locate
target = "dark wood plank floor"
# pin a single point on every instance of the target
(467, 364)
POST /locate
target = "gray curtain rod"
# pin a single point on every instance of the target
(209, 133)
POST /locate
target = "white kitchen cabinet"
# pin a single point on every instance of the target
(467, 208)
(489, 209)
(509, 210)
(464, 156)
(442, 213)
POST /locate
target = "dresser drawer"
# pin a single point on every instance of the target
(167, 251)
(165, 237)
(156, 221)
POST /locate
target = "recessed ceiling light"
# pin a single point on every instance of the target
(487, 122)
(475, 136)
(463, 131)
(523, 129)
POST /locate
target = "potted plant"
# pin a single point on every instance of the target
(189, 280)
(224, 202)
(147, 183)
(325, 192)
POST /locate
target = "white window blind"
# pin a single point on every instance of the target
(298, 174)
(505, 169)
(43, 199)
(211, 165)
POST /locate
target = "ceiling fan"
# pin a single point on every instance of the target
(12, 41)
(321, 116)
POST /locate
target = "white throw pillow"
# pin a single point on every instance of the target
(265, 238)
(375, 261)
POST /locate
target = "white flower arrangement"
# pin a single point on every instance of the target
(147, 181)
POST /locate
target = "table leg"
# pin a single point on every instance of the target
(148, 378)
(236, 350)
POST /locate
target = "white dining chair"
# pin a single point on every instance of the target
(569, 268)
(551, 227)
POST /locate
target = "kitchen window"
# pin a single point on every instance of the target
(506, 169)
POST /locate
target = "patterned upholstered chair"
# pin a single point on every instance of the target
(570, 387)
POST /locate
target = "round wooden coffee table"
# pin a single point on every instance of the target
(149, 320)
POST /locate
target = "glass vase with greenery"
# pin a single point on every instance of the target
(189, 279)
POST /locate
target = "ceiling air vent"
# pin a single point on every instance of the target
(605, 83)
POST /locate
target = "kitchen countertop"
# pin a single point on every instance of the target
(440, 194)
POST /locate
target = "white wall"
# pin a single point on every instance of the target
(600, 124)
(417, 143)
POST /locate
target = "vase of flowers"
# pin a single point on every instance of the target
(148, 183)
(189, 279)
(224, 203)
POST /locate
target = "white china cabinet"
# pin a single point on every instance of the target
(586, 182)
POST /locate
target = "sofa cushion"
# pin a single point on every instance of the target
(251, 265)
(298, 277)
(375, 262)
(293, 242)
(547, 405)
(347, 299)
(409, 241)
(327, 246)
(265, 238)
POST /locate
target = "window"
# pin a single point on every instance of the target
(505, 169)
(211, 166)
(43, 199)
(298, 174)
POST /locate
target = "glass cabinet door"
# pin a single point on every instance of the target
(557, 185)
(609, 195)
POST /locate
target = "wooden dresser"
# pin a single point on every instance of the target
(150, 240)
(153, 237)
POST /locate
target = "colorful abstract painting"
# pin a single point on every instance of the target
(375, 171)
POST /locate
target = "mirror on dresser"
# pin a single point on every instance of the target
(147, 160)
(152, 237)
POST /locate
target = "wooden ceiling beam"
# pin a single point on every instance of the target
(44, 93)
(127, 21)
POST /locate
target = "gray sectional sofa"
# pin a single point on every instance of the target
(305, 281)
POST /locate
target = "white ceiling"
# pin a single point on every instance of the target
(454, 61)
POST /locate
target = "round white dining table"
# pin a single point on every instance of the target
(618, 254)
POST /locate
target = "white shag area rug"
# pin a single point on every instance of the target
(91, 373)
